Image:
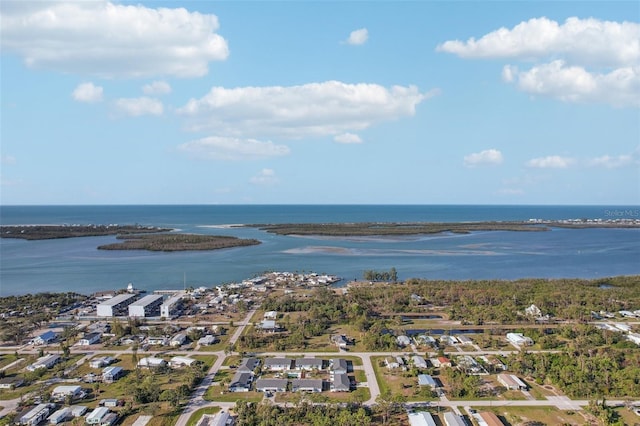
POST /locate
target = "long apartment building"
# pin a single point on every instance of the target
(148, 306)
(117, 306)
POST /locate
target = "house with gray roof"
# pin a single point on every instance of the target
(241, 382)
(306, 385)
(248, 365)
(340, 383)
(271, 385)
(339, 366)
(278, 364)
(308, 364)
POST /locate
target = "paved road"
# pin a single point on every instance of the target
(196, 401)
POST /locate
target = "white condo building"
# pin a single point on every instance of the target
(116, 306)
(148, 306)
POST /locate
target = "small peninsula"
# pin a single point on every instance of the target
(135, 237)
(48, 232)
(177, 242)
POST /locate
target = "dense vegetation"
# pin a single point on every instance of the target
(177, 242)
(45, 232)
(379, 229)
(304, 413)
(415, 228)
(21, 314)
(595, 362)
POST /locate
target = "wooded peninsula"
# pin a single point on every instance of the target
(135, 237)
(415, 228)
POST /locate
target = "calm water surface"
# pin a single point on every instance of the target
(76, 265)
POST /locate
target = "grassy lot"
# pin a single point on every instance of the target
(232, 360)
(397, 383)
(360, 376)
(217, 393)
(545, 415)
(193, 420)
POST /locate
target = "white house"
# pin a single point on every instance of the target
(89, 339)
(271, 385)
(181, 361)
(421, 418)
(518, 339)
(59, 393)
(403, 341)
(278, 364)
(419, 362)
(207, 340)
(46, 361)
(241, 382)
(111, 374)
(308, 364)
(271, 315)
(512, 382)
(101, 362)
(306, 385)
(35, 415)
(151, 362)
(426, 380)
(340, 383)
(60, 416)
(178, 340)
(97, 415)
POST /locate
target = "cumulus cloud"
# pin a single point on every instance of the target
(314, 109)
(156, 88)
(358, 37)
(136, 107)
(347, 138)
(226, 148)
(87, 92)
(581, 60)
(550, 162)
(111, 40)
(265, 177)
(620, 87)
(587, 41)
(488, 157)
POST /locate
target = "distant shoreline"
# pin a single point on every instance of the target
(416, 228)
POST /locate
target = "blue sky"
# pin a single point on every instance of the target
(418, 102)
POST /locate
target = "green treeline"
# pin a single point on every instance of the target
(177, 242)
(595, 362)
(304, 413)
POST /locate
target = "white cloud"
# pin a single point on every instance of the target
(314, 109)
(581, 60)
(489, 157)
(136, 107)
(225, 148)
(87, 92)
(550, 162)
(265, 177)
(587, 41)
(358, 37)
(620, 87)
(156, 88)
(614, 162)
(111, 40)
(347, 138)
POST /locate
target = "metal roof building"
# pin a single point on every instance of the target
(116, 306)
